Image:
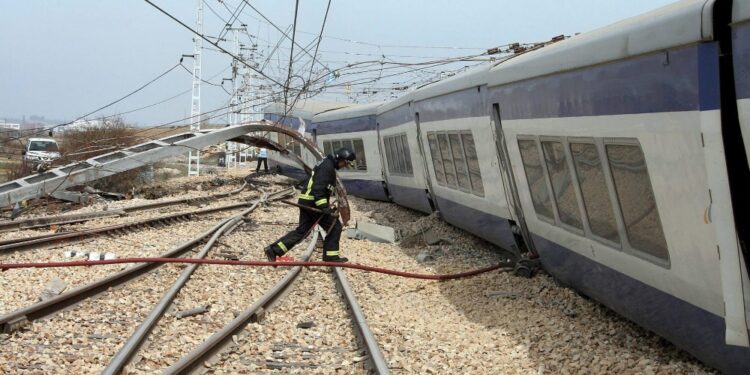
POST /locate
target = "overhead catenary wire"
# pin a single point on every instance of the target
(291, 53)
(215, 44)
(44, 130)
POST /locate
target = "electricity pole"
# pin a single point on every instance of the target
(194, 156)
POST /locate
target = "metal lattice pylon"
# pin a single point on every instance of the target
(194, 156)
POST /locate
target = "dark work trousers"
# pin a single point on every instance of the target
(306, 220)
(265, 163)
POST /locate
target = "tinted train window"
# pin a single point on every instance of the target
(562, 184)
(462, 170)
(359, 149)
(400, 154)
(290, 144)
(388, 155)
(397, 154)
(532, 164)
(360, 164)
(473, 162)
(637, 201)
(445, 151)
(437, 160)
(454, 158)
(596, 198)
(407, 155)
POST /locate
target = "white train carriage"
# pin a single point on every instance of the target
(355, 127)
(301, 114)
(614, 138)
(405, 165)
(463, 164)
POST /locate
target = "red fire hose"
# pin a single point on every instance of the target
(251, 263)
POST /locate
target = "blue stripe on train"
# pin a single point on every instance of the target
(349, 125)
(666, 81)
(368, 189)
(489, 227)
(288, 170)
(411, 197)
(687, 326)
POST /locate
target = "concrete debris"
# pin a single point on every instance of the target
(433, 237)
(372, 232)
(228, 256)
(53, 288)
(192, 312)
(425, 257)
(306, 324)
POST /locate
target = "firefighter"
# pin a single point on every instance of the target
(316, 194)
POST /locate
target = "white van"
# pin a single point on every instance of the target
(41, 150)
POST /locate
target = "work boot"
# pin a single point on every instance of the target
(271, 253)
(335, 259)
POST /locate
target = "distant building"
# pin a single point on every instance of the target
(83, 124)
(10, 125)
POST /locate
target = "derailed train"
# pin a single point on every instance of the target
(618, 156)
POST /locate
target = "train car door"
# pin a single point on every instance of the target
(509, 184)
(383, 164)
(428, 182)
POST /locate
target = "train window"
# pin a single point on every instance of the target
(437, 160)
(406, 154)
(347, 143)
(388, 154)
(462, 170)
(562, 184)
(400, 154)
(596, 199)
(290, 144)
(473, 163)
(637, 201)
(360, 164)
(445, 151)
(359, 149)
(397, 155)
(532, 164)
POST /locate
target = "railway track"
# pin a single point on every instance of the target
(209, 352)
(66, 219)
(220, 340)
(67, 237)
(16, 319)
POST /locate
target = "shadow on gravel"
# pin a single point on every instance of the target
(535, 319)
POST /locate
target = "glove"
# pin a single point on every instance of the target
(327, 210)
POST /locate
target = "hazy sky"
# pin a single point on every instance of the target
(64, 58)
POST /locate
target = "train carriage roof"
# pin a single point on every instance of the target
(476, 76)
(682, 23)
(353, 111)
(398, 102)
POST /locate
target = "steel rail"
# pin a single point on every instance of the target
(216, 342)
(16, 319)
(136, 340)
(376, 361)
(57, 238)
(79, 218)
